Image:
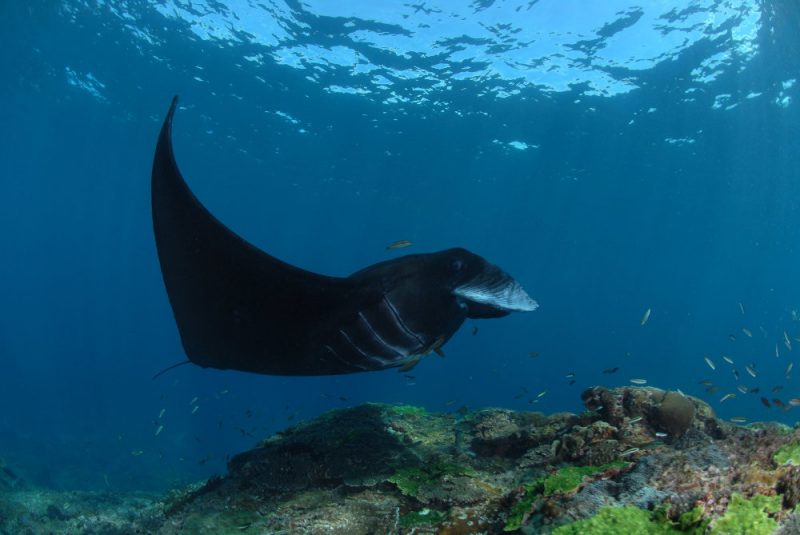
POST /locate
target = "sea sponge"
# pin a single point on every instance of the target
(675, 414)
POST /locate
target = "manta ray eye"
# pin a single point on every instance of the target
(457, 265)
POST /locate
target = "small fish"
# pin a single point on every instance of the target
(736, 374)
(159, 429)
(436, 347)
(710, 363)
(639, 381)
(742, 389)
(194, 400)
(136, 453)
(541, 394)
(738, 419)
(788, 369)
(726, 397)
(732, 337)
(570, 375)
(161, 414)
(659, 434)
(572, 382)
(776, 389)
(408, 366)
(706, 383)
(646, 316)
(765, 402)
(223, 392)
(634, 420)
(194, 409)
(786, 338)
(727, 359)
(777, 351)
(794, 402)
(629, 451)
(755, 390)
(615, 369)
(747, 332)
(712, 389)
(474, 331)
(533, 354)
(788, 344)
(777, 402)
(750, 370)
(741, 307)
(399, 244)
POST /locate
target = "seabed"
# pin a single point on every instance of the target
(638, 460)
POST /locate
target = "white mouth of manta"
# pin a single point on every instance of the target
(504, 295)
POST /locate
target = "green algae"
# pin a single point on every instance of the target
(523, 507)
(788, 454)
(569, 478)
(408, 410)
(617, 520)
(693, 522)
(423, 517)
(748, 516)
(743, 517)
(565, 480)
(411, 480)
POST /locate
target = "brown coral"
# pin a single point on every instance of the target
(675, 414)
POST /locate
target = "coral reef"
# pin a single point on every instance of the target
(638, 460)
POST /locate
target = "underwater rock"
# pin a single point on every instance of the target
(360, 446)
(653, 410)
(506, 433)
(640, 456)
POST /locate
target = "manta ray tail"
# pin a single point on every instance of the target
(168, 368)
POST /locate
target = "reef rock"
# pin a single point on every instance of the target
(639, 460)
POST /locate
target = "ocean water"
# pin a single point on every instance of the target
(614, 157)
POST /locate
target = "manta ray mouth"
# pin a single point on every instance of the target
(497, 290)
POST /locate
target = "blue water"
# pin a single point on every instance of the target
(612, 157)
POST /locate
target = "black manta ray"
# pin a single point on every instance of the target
(239, 308)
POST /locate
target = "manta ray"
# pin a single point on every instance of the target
(239, 308)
